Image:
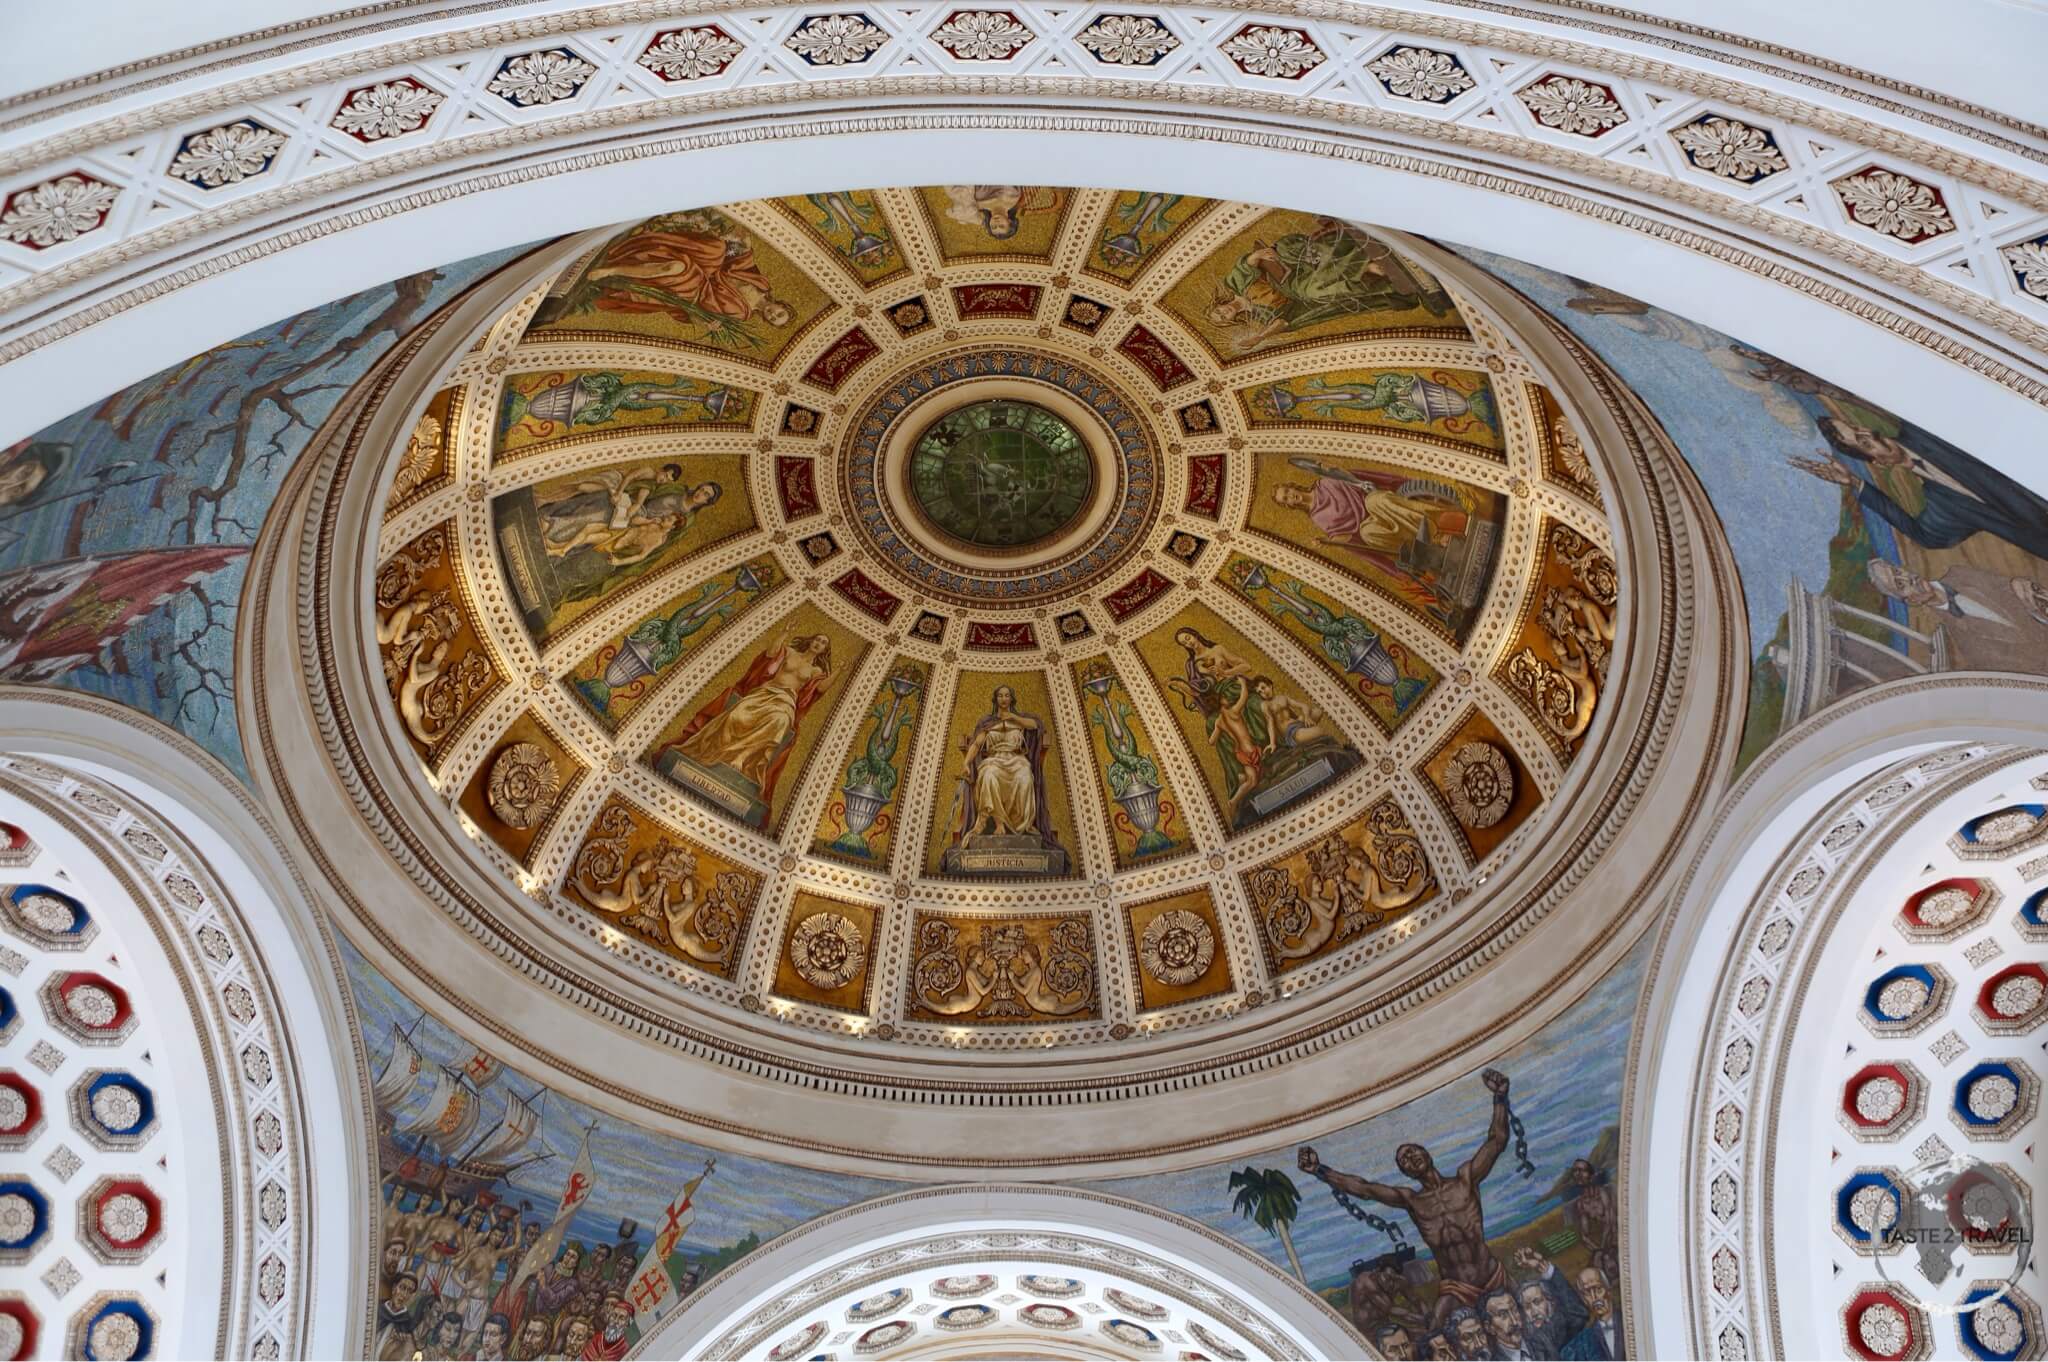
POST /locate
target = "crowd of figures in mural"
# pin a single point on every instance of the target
(516, 1223)
(1481, 1221)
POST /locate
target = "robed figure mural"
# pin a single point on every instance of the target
(737, 743)
(1002, 820)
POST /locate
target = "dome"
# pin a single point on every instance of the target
(865, 637)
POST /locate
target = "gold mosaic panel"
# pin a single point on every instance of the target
(1002, 971)
(741, 744)
(1288, 280)
(436, 667)
(1326, 893)
(520, 787)
(650, 882)
(1177, 943)
(828, 949)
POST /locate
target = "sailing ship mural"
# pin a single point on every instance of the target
(515, 1222)
(461, 1142)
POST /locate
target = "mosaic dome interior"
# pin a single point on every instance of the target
(881, 610)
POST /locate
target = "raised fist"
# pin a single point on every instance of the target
(1495, 1080)
(1306, 1157)
(1529, 1260)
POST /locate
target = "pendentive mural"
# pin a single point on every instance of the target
(1870, 548)
(1481, 1220)
(515, 1222)
(124, 528)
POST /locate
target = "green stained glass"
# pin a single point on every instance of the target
(1001, 474)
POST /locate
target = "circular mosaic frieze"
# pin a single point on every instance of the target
(1044, 1315)
(91, 1004)
(1873, 1209)
(796, 1345)
(47, 911)
(883, 1336)
(874, 1307)
(1178, 947)
(124, 1218)
(2016, 996)
(1946, 906)
(18, 1219)
(1208, 1339)
(1058, 1288)
(1134, 1305)
(965, 1317)
(1000, 474)
(916, 508)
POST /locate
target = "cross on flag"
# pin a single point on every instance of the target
(480, 1068)
(653, 1290)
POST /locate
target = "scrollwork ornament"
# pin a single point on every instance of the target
(524, 785)
(827, 950)
(1177, 947)
(1563, 702)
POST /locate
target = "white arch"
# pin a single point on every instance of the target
(225, 840)
(1766, 824)
(1104, 1240)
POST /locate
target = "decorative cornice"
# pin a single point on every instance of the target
(1477, 138)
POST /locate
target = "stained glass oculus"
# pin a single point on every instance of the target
(1000, 474)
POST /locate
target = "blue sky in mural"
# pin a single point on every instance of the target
(1737, 432)
(638, 1171)
(1565, 1084)
(131, 549)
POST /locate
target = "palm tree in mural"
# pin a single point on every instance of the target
(1269, 1198)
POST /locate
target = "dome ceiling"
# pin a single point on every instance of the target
(882, 609)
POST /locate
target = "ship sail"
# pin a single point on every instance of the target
(400, 1072)
(451, 1114)
(515, 1128)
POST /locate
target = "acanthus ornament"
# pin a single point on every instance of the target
(389, 108)
(1894, 205)
(1128, 40)
(532, 79)
(1731, 149)
(1272, 51)
(1177, 947)
(982, 35)
(827, 950)
(524, 785)
(835, 39)
(56, 211)
(1567, 104)
(691, 53)
(1420, 73)
(228, 154)
(2028, 261)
